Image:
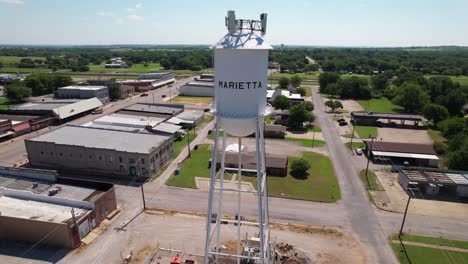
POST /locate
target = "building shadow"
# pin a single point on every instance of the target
(26, 250)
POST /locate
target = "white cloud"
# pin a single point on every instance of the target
(133, 10)
(105, 14)
(13, 2)
(119, 21)
(135, 18)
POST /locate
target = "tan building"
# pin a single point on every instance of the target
(101, 151)
(39, 206)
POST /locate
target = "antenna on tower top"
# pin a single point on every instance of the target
(234, 24)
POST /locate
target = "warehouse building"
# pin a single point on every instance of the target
(128, 87)
(137, 124)
(197, 88)
(153, 110)
(38, 206)
(101, 151)
(295, 98)
(62, 109)
(430, 182)
(17, 125)
(401, 153)
(84, 92)
(377, 119)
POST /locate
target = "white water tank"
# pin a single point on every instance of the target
(241, 74)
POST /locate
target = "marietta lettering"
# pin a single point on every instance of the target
(240, 85)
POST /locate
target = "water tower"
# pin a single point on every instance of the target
(240, 82)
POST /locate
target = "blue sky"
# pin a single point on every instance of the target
(292, 22)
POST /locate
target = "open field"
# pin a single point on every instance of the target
(365, 131)
(381, 105)
(192, 100)
(348, 76)
(320, 186)
(304, 76)
(16, 59)
(463, 80)
(427, 255)
(24, 70)
(136, 68)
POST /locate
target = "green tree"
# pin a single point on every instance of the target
(299, 168)
(411, 97)
(301, 91)
(452, 126)
(114, 90)
(295, 80)
(298, 114)
(458, 160)
(283, 82)
(311, 68)
(281, 102)
(1, 65)
(17, 92)
(435, 112)
(333, 90)
(308, 105)
(333, 104)
(379, 82)
(453, 101)
(42, 84)
(327, 78)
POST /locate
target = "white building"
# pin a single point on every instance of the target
(272, 94)
(84, 92)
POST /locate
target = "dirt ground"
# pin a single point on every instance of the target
(404, 135)
(351, 105)
(307, 135)
(184, 234)
(394, 198)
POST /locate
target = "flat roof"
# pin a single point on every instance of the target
(190, 115)
(21, 118)
(405, 155)
(200, 84)
(119, 119)
(69, 110)
(89, 87)
(386, 146)
(34, 210)
(103, 139)
(360, 114)
(167, 128)
(159, 109)
(435, 176)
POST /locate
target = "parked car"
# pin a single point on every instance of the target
(143, 94)
(97, 111)
(343, 123)
(163, 96)
(340, 120)
(359, 151)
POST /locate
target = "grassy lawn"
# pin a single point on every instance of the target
(365, 131)
(381, 105)
(436, 136)
(269, 120)
(307, 142)
(348, 135)
(192, 99)
(321, 185)
(304, 76)
(16, 59)
(355, 145)
(348, 76)
(4, 104)
(433, 241)
(463, 80)
(370, 182)
(416, 254)
(196, 166)
(136, 68)
(212, 135)
(23, 70)
(178, 145)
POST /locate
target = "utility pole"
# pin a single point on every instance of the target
(188, 142)
(404, 218)
(368, 160)
(143, 197)
(352, 137)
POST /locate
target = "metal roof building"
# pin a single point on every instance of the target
(39, 206)
(371, 118)
(399, 153)
(164, 109)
